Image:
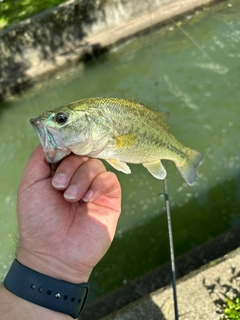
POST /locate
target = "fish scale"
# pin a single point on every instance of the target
(118, 130)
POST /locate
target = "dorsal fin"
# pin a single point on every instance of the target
(161, 116)
(135, 100)
(165, 115)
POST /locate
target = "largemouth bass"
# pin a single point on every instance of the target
(120, 131)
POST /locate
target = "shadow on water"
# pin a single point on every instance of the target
(143, 248)
(45, 37)
(5, 105)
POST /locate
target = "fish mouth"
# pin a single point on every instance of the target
(51, 141)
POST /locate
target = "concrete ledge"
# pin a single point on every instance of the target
(201, 295)
(74, 31)
(188, 266)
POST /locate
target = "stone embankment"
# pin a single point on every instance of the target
(74, 31)
(206, 275)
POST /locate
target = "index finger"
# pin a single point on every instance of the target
(66, 170)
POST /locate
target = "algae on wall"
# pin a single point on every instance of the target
(57, 32)
(61, 35)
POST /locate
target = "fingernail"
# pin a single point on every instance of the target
(59, 180)
(88, 196)
(71, 192)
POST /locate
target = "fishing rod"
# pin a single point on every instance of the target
(172, 256)
(165, 185)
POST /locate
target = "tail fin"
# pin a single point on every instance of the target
(188, 169)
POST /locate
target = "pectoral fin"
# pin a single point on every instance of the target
(156, 168)
(118, 165)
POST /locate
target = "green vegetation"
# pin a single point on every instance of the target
(12, 11)
(232, 310)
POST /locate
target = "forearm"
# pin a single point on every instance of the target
(12, 307)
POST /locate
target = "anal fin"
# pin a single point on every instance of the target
(156, 168)
(119, 165)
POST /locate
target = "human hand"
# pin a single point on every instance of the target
(67, 218)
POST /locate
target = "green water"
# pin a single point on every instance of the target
(200, 88)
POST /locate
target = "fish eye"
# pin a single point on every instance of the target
(61, 118)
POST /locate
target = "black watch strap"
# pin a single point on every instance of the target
(57, 295)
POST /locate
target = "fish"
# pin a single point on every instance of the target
(117, 130)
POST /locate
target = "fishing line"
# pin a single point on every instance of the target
(165, 182)
(199, 48)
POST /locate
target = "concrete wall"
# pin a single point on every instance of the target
(73, 31)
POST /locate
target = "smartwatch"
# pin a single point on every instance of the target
(45, 291)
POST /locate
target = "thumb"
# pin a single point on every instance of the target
(36, 169)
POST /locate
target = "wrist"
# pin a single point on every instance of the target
(39, 289)
(14, 307)
(53, 267)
